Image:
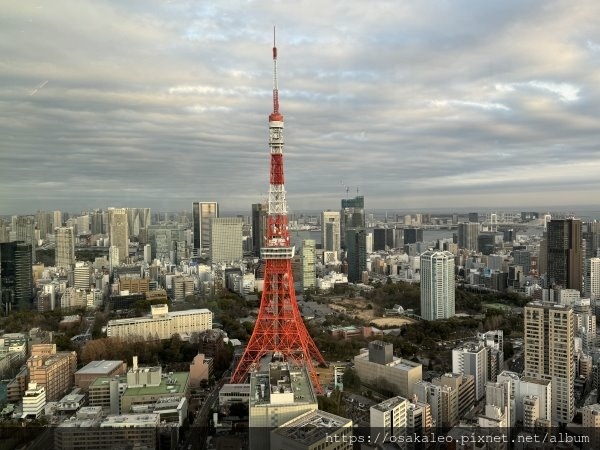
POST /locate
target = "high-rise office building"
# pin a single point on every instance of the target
(15, 276)
(592, 279)
(549, 353)
(330, 231)
(356, 253)
(352, 215)
(523, 258)
(468, 234)
(591, 234)
(65, 247)
(437, 285)
(225, 243)
(564, 253)
(260, 212)
(383, 239)
(97, 222)
(44, 223)
(119, 232)
(413, 235)
(25, 231)
(202, 213)
(57, 219)
(163, 239)
(309, 257)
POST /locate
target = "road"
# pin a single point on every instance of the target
(196, 438)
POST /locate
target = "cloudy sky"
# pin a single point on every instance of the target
(417, 104)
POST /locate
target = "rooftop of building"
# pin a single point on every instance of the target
(548, 305)
(105, 381)
(312, 427)
(241, 388)
(99, 367)
(390, 403)
(174, 384)
(536, 381)
(281, 383)
(73, 397)
(595, 408)
(397, 363)
(131, 420)
(167, 316)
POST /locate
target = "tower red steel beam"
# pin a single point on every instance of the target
(279, 327)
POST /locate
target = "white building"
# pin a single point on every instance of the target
(437, 285)
(389, 419)
(471, 359)
(34, 400)
(162, 324)
(531, 398)
(592, 279)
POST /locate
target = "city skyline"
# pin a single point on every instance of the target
(418, 106)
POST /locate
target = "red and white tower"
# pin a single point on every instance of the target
(279, 327)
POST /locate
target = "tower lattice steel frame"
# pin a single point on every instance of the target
(279, 328)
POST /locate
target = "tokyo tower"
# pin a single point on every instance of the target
(279, 328)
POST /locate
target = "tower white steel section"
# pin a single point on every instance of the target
(437, 285)
(65, 247)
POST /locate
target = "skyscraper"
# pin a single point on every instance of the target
(592, 279)
(44, 223)
(202, 212)
(468, 233)
(564, 253)
(356, 253)
(330, 231)
(437, 285)
(65, 247)
(119, 232)
(549, 353)
(383, 239)
(57, 219)
(260, 213)
(309, 257)
(25, 231)
(15, 276)
(352, 215)
(225, 239)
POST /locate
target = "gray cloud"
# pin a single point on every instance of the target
(423, 104)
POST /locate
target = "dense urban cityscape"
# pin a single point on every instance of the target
(329, 323)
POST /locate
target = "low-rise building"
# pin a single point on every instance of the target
(377, 366)
(34, 401)
(85, 376)
(51, 369)
(89, 430)
(314, 430)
